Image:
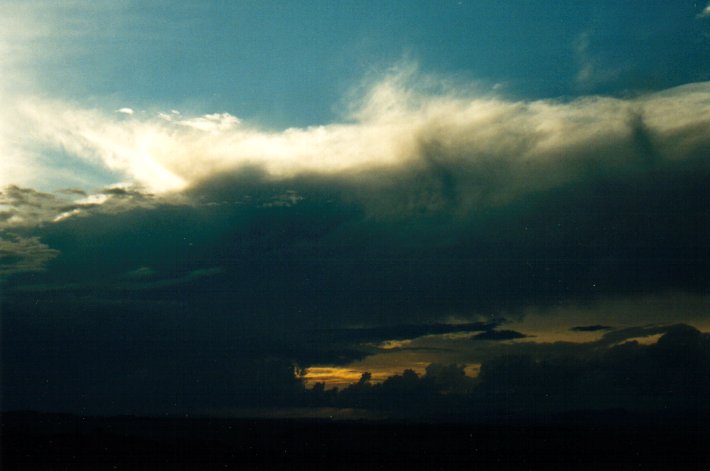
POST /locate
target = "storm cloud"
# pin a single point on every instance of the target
(423, 213)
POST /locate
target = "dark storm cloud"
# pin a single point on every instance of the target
(138, 357)
(308, 267)
(300, 274)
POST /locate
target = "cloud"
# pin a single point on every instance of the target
(617, 337)
(211, 123)
(589, 328)
(23, 254)
(592, 71)
(499, 335)
(629, 376)
(407, 394)
(329, 262)
(127, 111)
(501, 148)
(421, 218)
(705, 13)
(26, 208)
(626, 378)
(407, 331)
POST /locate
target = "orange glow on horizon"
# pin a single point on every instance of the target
(342, 377)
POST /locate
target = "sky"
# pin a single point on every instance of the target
(233, 208)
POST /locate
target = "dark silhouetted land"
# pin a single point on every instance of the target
(589, 441)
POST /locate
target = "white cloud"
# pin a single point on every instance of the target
(514, 146)
(128, 111)
(706, 12)
(212, 123)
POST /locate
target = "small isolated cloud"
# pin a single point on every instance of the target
(499, 335)
(705, 13)
(590, 328)
(128, 111)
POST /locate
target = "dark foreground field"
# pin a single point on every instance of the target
(53, 441)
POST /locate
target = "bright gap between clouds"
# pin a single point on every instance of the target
(538, 144)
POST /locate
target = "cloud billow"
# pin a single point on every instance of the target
(500, 148)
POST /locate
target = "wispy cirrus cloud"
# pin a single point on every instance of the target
(592, 71)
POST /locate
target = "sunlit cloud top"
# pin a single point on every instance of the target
(394, 125)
